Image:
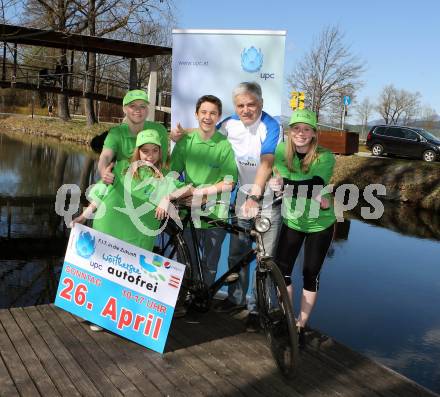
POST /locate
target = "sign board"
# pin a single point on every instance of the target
(347, 100)
(118, 286)
(215, 61)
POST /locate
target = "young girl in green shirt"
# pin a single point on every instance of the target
(132, 208)
(304, 168)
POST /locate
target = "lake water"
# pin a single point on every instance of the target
(380, 285)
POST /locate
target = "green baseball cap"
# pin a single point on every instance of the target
(133, 95)
(147, 136)
(304, 116)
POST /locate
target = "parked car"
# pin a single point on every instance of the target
(403, 141)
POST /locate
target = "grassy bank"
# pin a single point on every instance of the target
(73, 131)
(411, 181)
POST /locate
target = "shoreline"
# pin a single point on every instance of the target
(409, 181)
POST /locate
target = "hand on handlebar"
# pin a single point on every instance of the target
(249, 209)
(324, 203)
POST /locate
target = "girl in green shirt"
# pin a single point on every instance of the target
(304, 168)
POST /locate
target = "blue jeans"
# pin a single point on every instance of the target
(239, 245)
(209, 246)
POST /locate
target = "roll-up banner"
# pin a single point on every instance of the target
(215, 61)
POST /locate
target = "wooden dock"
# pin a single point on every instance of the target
(47, 351)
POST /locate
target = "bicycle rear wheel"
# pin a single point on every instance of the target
(277, 318)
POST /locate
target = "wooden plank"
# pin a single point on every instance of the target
(157, 370)
(7, 387)
(164, 372)
(254, 379)
(258, 363)
(48, 360)
(260, 358)
(312, 375)
(33, 365)
(77, 375)
(193, 386)
(132, 352)
(105, 362)
(204, 357)
(16, 369)
(300, 384)
(47, 351)
(208, 352)
(322, 379)
(114, 347)
(203, 362)
(86, 361)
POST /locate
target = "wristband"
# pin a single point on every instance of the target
(254, 197)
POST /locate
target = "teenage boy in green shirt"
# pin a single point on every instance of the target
(206, 159)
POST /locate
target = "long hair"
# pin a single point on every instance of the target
(312, 153)
(157, 171)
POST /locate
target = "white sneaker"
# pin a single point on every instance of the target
(96, 328)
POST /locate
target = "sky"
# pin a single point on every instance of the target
(398, 41)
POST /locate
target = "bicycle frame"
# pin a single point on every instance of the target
(258, 252)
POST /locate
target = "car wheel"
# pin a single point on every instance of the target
(377, 149)
(429, 156)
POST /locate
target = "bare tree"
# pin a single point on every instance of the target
(8, 10)
(364, 110)
(59, 15)
(428, 117)
(327, 72)
(101, 18)
(398, 105)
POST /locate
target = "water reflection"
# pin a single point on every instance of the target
(32, 237)
(34, 168)
(380, 291)
(405, 219)
(25, 282)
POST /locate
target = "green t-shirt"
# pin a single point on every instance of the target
(205, 163)
(301, 213)
(130, 223)
(122, 142)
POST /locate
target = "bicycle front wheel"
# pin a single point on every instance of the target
(277, 318)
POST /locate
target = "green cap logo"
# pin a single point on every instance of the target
(148, 136)
(304, 116)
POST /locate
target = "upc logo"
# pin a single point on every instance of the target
(251, 59)
(85, 245)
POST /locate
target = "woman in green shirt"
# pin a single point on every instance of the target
(304, 168)
(121, 140)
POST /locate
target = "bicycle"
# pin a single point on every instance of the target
(273, 302)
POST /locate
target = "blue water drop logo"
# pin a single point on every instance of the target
(85, 245)
(251, 59)
(145, 265)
